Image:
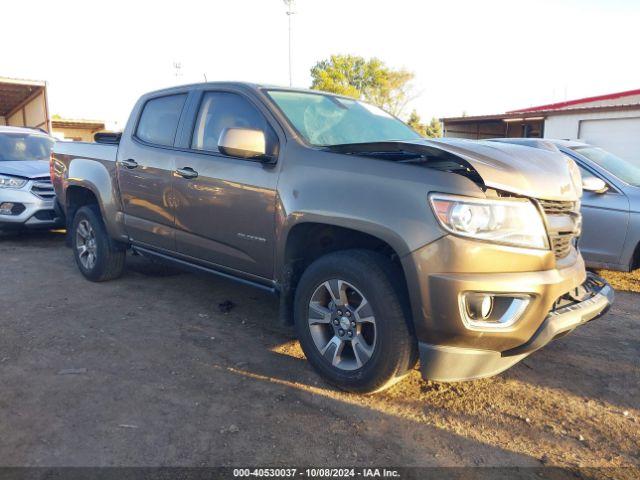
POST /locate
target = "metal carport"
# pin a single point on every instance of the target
(24, 103)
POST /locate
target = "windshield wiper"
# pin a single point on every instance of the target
(387, 149)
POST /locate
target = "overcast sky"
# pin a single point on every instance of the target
(473, 56)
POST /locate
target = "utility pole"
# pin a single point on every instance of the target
(177, 66)
(290, 11)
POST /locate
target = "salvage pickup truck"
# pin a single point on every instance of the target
(383, 247)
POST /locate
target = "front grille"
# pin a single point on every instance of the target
(561, 245)
(561, 240)
(42, 188)
(555, 207)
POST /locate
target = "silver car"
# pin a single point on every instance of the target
(610, 203)
(26, 196)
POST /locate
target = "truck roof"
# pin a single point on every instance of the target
(246, 85)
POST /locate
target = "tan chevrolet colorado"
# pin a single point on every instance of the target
(383, 247)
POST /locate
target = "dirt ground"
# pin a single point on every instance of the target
(147, 371)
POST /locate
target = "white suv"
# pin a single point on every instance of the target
(26, 195)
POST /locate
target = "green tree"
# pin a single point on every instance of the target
(433, 129)
(370, 80)
(414, 122)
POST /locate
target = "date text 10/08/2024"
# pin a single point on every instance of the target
(317, 472)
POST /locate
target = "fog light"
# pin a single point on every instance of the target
(479, 305)
(6, 208)
(482, 310)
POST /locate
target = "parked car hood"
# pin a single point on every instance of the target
(25, 168)
(517, 169)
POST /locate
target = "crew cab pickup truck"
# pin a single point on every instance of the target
(383, 247)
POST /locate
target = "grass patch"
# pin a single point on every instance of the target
(628, 282)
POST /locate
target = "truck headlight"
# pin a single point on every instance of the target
(12, 182)
(509, 222)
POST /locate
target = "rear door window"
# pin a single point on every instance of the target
(221, 110)
(159, 120)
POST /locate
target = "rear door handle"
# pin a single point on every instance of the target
(187, 172)
(130, 163)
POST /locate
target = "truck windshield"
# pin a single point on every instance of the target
(626, 170)
(15, 147)
(325, 120)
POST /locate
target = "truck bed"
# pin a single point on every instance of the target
(87, 150)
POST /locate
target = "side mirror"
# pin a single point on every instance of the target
(594, 184)
(244, 143)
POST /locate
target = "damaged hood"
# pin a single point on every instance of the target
(526, 171)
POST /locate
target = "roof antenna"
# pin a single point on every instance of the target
(205, 77)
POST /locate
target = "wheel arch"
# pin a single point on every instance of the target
(77, 196)
(630, 254)
(307, 241)
(92, 181)
(635, 258)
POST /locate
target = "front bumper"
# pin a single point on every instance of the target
(441, 273)
(451, 364)
(33, 211)
(595, 302)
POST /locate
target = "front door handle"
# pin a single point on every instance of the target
(187, 172)
(129, 163)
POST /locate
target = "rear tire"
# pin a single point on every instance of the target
(362, 319)
(97, 256)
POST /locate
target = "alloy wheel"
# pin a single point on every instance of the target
(342, 324)
(86, 244)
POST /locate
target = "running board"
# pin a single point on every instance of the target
(202, 269)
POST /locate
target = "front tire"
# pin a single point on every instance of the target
(350, 321)
(97, 256)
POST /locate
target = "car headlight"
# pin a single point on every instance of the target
(508, 222)
(12, 182)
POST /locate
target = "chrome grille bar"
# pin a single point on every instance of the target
(42, 188)
(563, 223)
